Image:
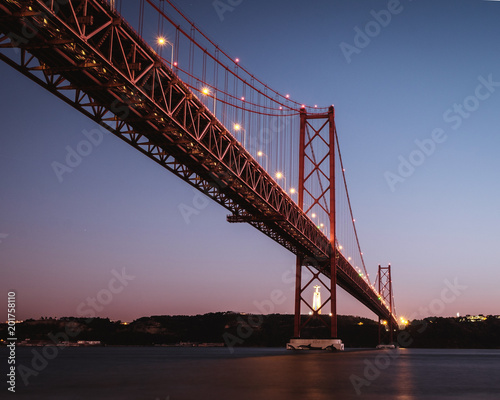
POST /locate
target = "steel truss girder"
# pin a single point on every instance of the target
(84, 53)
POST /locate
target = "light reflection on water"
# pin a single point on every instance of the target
(161, 373)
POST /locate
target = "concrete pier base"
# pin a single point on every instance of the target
(315, 344)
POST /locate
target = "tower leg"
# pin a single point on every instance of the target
(333, 296)
(298, 294)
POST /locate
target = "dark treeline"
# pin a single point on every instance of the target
(455, 333)
(235, 329)
(229, 328)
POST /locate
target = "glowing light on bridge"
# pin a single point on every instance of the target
(207, 92)
(237, 127)
(260, 153)
(279, 175)
(161, 40)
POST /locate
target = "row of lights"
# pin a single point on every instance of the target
(237, 127)
(162, 41)
(403, 321)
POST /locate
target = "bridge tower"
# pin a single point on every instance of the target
(316, 194)
(385, 291)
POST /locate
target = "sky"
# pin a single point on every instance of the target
(416, 88)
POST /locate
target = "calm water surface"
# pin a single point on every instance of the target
(161, 373)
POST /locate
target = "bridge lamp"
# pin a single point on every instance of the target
(162, 41)
(238, 127)
(313, 215)
(292, 190)
(279, 175)
(262, 154)
(206, 92)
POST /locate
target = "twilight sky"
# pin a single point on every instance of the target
(417, 112)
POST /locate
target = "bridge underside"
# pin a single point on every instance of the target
(89, 57)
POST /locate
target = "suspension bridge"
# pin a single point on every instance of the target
(179, 99)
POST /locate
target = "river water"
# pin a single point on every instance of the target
(170, 373)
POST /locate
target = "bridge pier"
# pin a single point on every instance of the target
(316, 330)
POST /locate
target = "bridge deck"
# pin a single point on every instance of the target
(88, 56)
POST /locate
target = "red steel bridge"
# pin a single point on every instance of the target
(170, 92)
